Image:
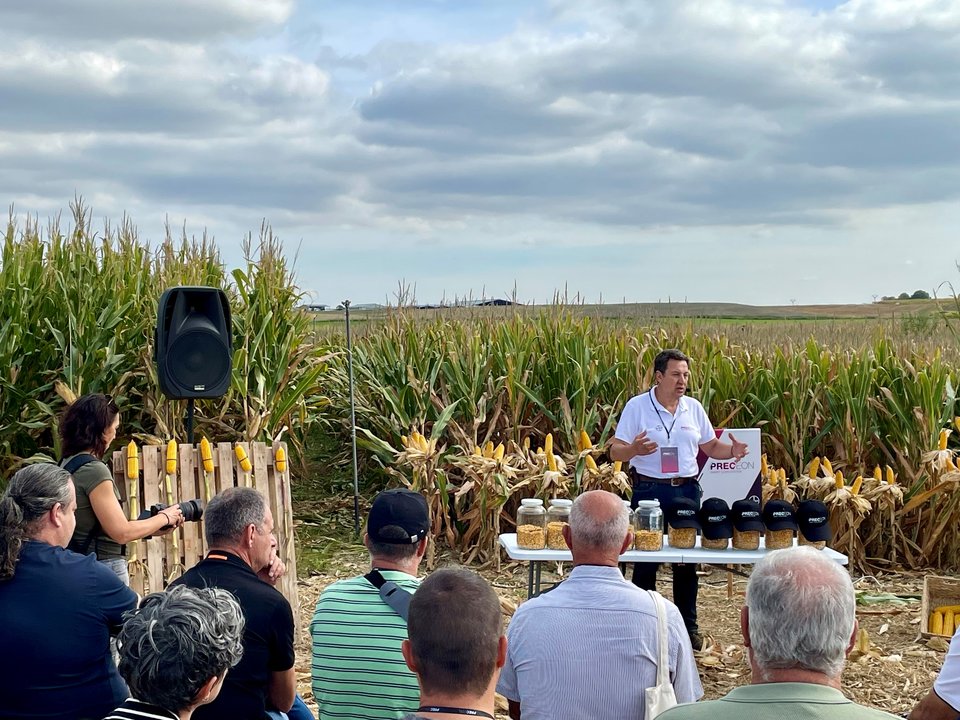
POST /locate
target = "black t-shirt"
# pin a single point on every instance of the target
(267, 636)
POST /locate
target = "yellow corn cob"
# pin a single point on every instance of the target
(423, 442)
(956, 423)
(526, 442)
(838, 479)
(404, 441)
(585, 442)
(942, 443)
(242, 458)
(617, 465)
(488, 449)
(764, 469)
(947, 608)
(783, 475)
(891, 478)
(551, 462)
(877, 474)
(950, 464)
(814, 467)
(548, 444)
(936, 622)
(477, 452)
(827, 467)
(591, 463)
(133, 461)
(948, 623)
(498, 452)
(539, 450)
(773, 478)
(280, 460)
(172, 457)
(206, 455)
(855, 488)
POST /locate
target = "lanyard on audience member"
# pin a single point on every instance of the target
(660, 417)
(454, 711)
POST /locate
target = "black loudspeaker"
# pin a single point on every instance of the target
(193, 347)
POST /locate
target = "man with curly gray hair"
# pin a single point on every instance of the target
(176, 650)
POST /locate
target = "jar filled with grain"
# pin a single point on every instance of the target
(780, 521)
(648, 526)
(531, 525)
(747, 524)
(558, 515)
(683, 522)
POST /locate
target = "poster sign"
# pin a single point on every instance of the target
(729, 479)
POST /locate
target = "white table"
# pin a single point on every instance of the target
(696, 554)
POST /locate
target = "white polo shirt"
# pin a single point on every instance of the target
(687, 431)
(947, 684)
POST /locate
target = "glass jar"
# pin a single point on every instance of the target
(558, 515)
(648, 526)
(531, 525)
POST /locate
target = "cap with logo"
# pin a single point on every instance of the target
(779, 515)
(814, 520)
(404, 511)
(745, 515)
(715, 519)
(682, 513)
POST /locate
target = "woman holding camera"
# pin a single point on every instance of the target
(87, 428)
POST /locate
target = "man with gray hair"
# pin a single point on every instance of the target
(242, 559)
(798, 626)
(589, 647)
(175, 652)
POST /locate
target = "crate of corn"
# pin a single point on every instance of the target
(940, 606)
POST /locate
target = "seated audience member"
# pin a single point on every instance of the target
(456, 645)
(175, 652)
(242, 558)
(58, 608)
(943, 700)
(798, 626)
(589, 647)
(358, 668)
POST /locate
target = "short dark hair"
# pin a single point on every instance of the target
(454, 628)
(84, 422)
(230, 511)
(664, 357)
(392, 550)
(176, 641)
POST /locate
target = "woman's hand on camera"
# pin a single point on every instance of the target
(174, 516)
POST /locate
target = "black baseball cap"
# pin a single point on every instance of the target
(715, 519)
(814, 520)
(779, 515)
(399, 508)
(682, 513)
(745, 515)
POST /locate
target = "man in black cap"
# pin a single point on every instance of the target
(358, 628)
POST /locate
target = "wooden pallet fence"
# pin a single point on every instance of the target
(157, 561)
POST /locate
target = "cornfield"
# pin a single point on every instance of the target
(523, 381)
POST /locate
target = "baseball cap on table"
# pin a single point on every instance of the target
(715, 519)
(682, 513)
(814, 520)
(745, 515)
(399, 508)
(779, 515)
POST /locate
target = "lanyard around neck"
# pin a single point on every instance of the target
(454, 711)
(660, 415)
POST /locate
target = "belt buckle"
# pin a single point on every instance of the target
(676, 481)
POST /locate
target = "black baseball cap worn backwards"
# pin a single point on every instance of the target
(746, 516)
(400, 508)
(778, 515)
(814, 520)
(715, 519)
(682, 513)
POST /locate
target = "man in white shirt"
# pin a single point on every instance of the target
(660, 433)
(589, 647)
(943, 701)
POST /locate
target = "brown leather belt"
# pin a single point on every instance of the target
(672, 481)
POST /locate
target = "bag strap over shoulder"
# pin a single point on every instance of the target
(663, 661)
(392, 594)
(75, 463)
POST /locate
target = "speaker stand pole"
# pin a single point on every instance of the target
(190, 421)
(353, 424)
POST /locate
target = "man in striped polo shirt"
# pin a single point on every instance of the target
(358, 667)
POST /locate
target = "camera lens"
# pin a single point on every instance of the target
(192, 510)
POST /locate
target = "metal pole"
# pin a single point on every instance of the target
(353, 425)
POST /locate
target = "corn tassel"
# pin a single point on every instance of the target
(855, 488)
(814, 467)
(133, 461)
(280, 460)
(172, 457)
(942, 442)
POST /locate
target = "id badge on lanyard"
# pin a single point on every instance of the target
(669, 460)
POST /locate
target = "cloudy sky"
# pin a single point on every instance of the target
(758, 151)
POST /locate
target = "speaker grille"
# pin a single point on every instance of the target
(197, 361)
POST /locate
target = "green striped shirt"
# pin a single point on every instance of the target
(358, 669)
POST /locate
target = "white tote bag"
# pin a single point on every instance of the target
(660, 697)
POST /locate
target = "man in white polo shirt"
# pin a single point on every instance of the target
(660, 433)
(943, 700)
(588, 648)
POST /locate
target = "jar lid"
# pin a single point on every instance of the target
(649, 503)
(532, 502)
(561, 502)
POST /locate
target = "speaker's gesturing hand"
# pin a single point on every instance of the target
(641, 445)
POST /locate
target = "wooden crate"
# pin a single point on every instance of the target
(156, 562)
(937, 591)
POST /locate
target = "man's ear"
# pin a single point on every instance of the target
(567, 536)
(203, 694)
(853, 637)
(56, 515)
(366, 541)
(407, 653)
(627, 542)
(502, 651)
(422, 546)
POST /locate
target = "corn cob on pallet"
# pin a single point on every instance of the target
(143, 475)
(940, 606)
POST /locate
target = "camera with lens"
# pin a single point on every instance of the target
(192, 510)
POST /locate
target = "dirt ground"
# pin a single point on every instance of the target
(891, 673)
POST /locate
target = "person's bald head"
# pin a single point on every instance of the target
(599, 520)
